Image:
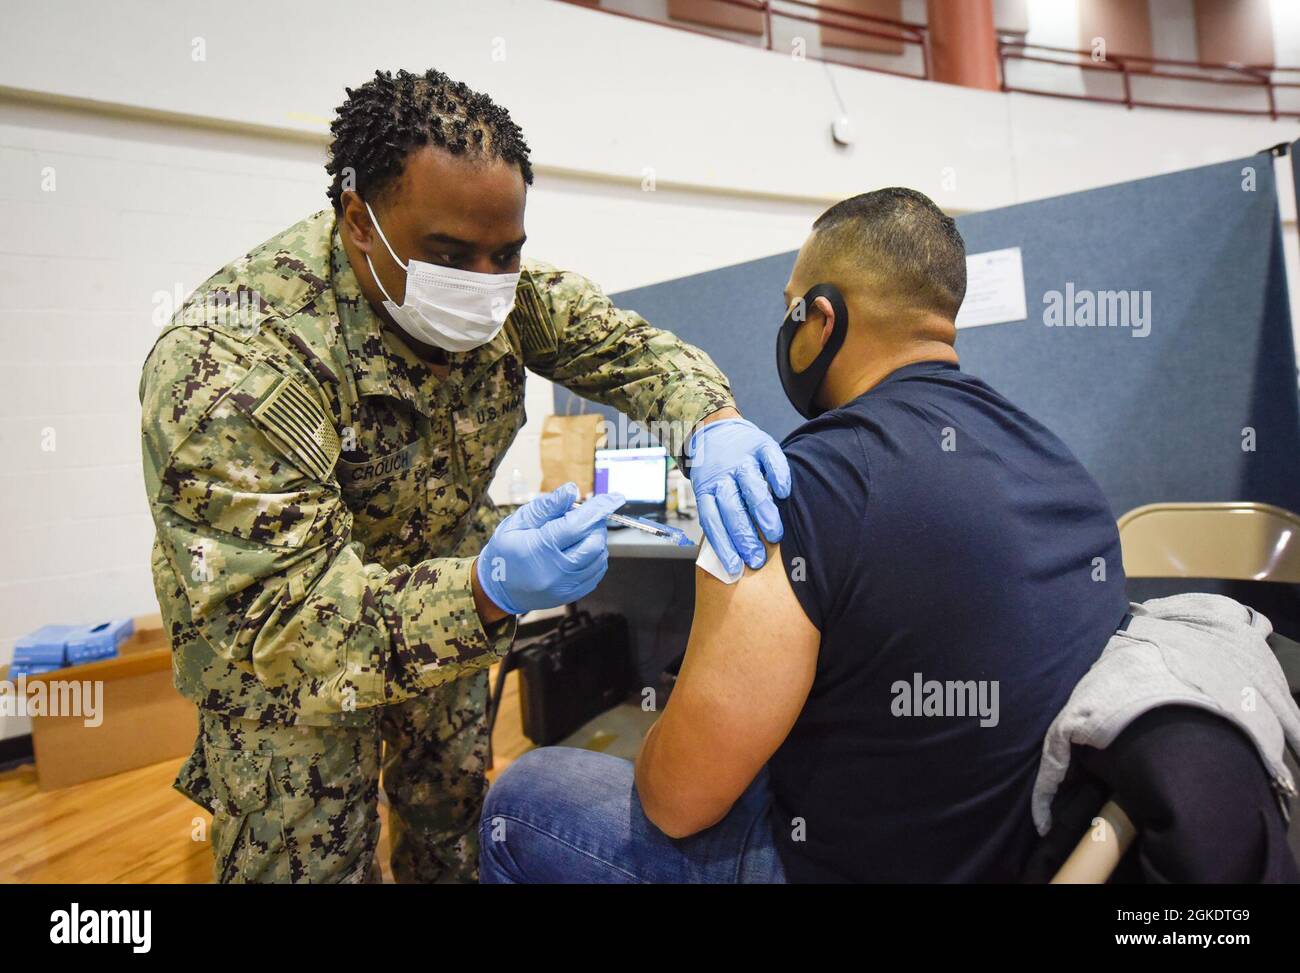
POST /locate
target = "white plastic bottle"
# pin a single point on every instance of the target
(518, 488)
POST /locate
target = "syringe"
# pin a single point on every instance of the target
(674, 534)
(659, 530)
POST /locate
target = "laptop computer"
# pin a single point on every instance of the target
(640, 474)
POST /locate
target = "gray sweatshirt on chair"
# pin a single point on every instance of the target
(1189, 650)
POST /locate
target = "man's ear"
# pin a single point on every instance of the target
(827, 311)
(356, 221)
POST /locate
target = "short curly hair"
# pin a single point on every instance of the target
(382, 121)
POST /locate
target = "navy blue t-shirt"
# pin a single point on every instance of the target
(964, 571)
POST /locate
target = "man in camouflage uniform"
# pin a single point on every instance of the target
(318, 480)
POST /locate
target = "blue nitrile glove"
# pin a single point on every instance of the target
(733, 464)
(547, 553)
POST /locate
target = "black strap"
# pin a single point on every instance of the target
(1288, 657)
(573, 619)
(509, 662)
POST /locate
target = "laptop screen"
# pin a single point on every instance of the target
(639, 474)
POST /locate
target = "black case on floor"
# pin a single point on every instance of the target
(579, 670)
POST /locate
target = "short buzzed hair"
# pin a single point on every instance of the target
(903, 242)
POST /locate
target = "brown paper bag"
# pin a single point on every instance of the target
(569, 445)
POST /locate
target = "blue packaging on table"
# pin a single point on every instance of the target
(98, 641)
(29, 669)
(46, 646)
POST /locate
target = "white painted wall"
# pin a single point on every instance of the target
(1056, 23)
(1286, 32)
(138, 207)
(165, 168)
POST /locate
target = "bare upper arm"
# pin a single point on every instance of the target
(749, 666)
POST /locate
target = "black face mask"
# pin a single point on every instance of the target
(800, 387)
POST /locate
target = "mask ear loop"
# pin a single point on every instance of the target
(836, 300)
(392, 253)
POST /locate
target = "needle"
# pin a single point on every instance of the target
(674, 534)
(639, 525)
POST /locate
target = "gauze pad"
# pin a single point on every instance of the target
(710, 562)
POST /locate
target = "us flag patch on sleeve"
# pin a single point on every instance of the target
(532, 323)
(295, 418)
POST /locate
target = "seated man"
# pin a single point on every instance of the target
(870, 705)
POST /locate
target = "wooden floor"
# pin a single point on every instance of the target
(134, 828)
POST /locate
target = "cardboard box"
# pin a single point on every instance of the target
(142, 719)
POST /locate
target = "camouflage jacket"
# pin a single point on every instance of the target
(319, 493)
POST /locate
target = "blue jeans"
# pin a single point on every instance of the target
(564, 815)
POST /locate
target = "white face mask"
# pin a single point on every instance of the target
(456, 310)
